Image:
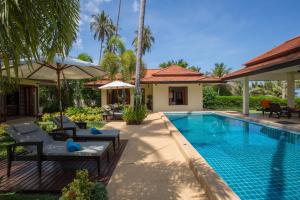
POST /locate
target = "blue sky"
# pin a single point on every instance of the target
(201, 32)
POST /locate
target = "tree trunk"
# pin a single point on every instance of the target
(118, 18)
(139, 48)
(101, 47)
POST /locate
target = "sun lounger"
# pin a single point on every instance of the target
(41, 147)
(275, 108)
(79, 132)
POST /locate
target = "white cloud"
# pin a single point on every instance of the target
(135, 6)
(78, 43)
(92, 6)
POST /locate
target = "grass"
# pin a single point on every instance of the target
(4, 141)
(19, 196)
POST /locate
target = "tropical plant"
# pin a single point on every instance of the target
(119, 59)
(115, 45)
(135, 115)
(148, 40)
(103, 28)
(220, 69)
(181, 63)
(85, 57)
(111, 63)
(39, 28)
(81, 188)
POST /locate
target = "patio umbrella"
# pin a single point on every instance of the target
(60, 68)
(117, 85)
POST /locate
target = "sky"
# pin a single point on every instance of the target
(202, 32)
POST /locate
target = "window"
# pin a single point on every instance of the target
(178, 96)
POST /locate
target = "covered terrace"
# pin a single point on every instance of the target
(281, 63)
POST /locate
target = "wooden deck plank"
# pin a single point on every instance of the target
(24, 175)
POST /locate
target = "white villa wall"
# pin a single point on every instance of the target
(161, 98)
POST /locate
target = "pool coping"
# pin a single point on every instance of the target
(214, 186)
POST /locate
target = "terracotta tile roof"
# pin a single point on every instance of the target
(282, 56)
(175, 70)
(172, 74)
(283, 49)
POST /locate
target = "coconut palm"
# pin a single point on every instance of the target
(139, 53)
(103, 28)
(118, 17)
(39, 27)
(111, 63)
(148, 40)
(220, 70)
(115, 45)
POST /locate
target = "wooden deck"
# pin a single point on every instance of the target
(25, 178)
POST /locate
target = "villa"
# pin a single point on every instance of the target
(169, 89)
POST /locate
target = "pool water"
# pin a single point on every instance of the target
(256, 161)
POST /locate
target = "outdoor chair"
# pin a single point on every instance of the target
(279, 111)
(112, 111)
(79, 132)
(40, 146)
(265, 106)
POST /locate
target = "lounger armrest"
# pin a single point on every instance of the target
(11, 147)
(58, 135)
(73, 129)
(82, 125)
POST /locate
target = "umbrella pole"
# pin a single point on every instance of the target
(59, 97)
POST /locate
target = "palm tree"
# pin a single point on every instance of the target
(115, 45)
(220, 70)
(139, 53)
(148, 40)
(118, 18)
(111, 63)
(118, 59)
(103, 28)
(39, 28)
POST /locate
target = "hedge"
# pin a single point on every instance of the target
(237, 101)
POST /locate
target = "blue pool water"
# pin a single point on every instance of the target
(256, 161)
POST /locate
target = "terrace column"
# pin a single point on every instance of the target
(245, 83)
(290, 80)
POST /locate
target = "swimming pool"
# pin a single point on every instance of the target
(256, 161)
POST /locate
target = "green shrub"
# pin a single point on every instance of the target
(99, 192)
(81, 188)
(135, 115)
(209, 96)
(2, 129)
(219, 102)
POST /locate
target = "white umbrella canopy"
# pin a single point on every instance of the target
(60, 68)
(69, 68)
(116, 85)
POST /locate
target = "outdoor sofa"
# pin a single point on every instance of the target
(40, 146)
(79, 132)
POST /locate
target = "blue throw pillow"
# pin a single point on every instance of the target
(95, 131)
(72, 146)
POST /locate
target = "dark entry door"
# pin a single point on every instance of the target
(27, 100)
